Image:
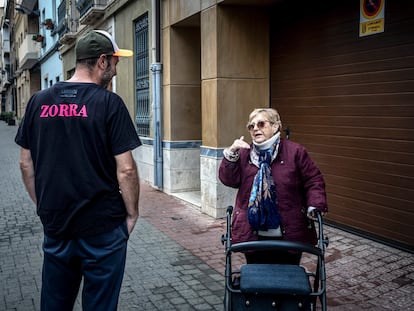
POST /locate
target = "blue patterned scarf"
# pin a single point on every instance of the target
(263, 211)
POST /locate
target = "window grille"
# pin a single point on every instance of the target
(142, 118)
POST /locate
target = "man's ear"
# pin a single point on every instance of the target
(101, 61)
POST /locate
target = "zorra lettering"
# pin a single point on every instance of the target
(63, 110)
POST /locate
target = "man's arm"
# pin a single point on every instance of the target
(27, 169)
(128, 179)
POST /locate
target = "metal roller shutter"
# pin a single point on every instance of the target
(350, 101)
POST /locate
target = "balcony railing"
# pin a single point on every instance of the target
(91, 10)
(6, 46)
(68, 22)
(28, 53)
(61, 24)
(7, 76)
(5, 80)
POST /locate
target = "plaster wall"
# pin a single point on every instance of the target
(235, 80)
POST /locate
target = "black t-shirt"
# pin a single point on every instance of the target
(73, 131)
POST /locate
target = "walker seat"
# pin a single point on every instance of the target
(272, 287)
(271, 279)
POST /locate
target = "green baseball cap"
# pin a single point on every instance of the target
(97, 42)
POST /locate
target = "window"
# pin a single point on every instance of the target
(142, 118)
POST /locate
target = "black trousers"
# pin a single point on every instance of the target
(99, 260)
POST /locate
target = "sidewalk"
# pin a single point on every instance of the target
(160, 274)
(361, 274)
(176, 259)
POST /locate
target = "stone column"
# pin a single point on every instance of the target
(181, 108)
(234, 81)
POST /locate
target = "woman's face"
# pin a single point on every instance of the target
(261, 129)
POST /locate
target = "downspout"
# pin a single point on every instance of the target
(156, 68)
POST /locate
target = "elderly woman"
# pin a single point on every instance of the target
(279, 187)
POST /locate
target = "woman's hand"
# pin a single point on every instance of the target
(239, 144)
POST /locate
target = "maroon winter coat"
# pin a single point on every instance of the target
(299, 184)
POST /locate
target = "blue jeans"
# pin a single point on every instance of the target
(100, 260)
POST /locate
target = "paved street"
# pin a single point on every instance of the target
(175, 258)
(160, 273)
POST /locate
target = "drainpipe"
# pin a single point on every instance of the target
(156, 68)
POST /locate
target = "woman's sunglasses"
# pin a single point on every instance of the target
(260, 125)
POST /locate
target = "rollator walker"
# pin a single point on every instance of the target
(273, 287)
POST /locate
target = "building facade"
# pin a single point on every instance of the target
(8, 68)
(200, 66)
(50, 59)
(28, 42)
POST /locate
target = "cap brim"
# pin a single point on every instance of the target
(123, 53)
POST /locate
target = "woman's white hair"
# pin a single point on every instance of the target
(271, 114)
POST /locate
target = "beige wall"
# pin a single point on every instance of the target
(121, 14)
(175, 11)
(229, 45)
(124, 33)
(181, 84)
(235, 70)
(68, 61)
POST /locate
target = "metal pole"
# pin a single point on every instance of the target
(156, 68)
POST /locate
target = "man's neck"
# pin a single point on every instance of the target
(82, 75)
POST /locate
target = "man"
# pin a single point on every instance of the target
(78, 169)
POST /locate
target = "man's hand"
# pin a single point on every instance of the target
(128, 180)
(131, 221)
(28, 173)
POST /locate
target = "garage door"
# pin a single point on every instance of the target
(350, 101)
